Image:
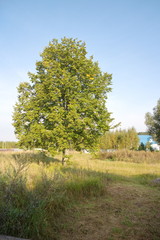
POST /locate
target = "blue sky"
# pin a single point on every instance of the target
(123, 36)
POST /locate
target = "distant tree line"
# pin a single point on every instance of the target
(143, 133)
(120, 139)
(8, 144)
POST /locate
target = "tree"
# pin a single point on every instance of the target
(142, 147)
(153, 122)
(65, 102)
(120, 139)
(133, 138)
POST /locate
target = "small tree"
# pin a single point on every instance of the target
(153, 122)
(142, 147)
(65, 102)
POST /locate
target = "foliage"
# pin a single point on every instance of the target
(64, 105)
(142, 147)
(142, 133)
(8, 144)
(121, 139)
(153, 122)
(149, 147)
(145, 147)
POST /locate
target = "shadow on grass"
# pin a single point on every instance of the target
(145, 179)
(36, 213)
(150, 180)
(39, 157)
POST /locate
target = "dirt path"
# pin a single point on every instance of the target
(127, 211)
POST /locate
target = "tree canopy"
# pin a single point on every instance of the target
(153, 122)
(64, 104)
(120, 139)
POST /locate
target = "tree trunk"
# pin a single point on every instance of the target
(63, 156)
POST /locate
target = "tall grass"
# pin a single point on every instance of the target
(131, 156)
(127, 170)
(35, 190)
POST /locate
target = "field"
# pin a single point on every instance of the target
(88, 198)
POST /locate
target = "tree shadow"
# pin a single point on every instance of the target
(28, 157)
(144, 179)
(33, 212)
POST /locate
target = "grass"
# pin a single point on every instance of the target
(88, 198)
(35, 191)
(131, 156)
(130, 171)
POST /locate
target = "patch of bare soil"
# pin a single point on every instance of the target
(127, 211)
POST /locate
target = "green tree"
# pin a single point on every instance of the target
(133, 138)
(153, 122)
(142, 147)
(8, 144)
(65, 102)
(120, 139)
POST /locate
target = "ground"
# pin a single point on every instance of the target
(87, 199)
(126, 211)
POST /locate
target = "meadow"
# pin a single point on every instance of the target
(100, 196)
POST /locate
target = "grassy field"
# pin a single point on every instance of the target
(88, 198)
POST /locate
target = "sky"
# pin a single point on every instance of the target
(122, 35)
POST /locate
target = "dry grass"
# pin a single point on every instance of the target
(86, 199)
(119, 168)
(131, 156)
(127, 212)
(36, 189)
